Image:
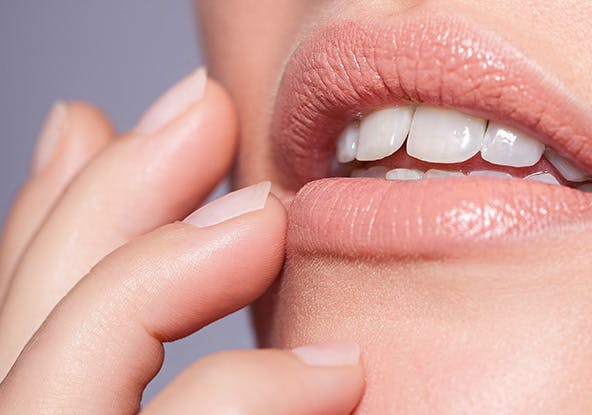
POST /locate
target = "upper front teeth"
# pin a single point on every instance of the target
(347, 146)
(436, 135)
(445, 136)
(505, 147)
(383, 133)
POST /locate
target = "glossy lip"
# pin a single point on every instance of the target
(430, 219)
(348, 69)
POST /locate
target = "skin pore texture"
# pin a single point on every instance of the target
(489, 326)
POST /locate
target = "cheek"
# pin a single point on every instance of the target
(510, 332)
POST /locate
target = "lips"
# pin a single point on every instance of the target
(348, 70)
(366, 218)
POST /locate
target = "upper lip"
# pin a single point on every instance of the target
(350, 68)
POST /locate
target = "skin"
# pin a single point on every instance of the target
(501, 329)
(100, 275)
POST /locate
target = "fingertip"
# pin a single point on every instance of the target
(72, 134)
(212, 118)
(254, 198)
(173, 102)
(218, 98)
(275, 226)
(263, 381)
(88, 114)
(202, 139)
(338, 368)
(89, 129)
(258, 221)
(331, 354)
(276, 209)
(259, 241)
(218, 111)
(192, 101)
(336, 378)
(50, 137)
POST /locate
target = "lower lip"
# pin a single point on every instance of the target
(429, 218)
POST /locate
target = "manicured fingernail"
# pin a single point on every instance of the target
(173, 103)
(329, 354)
(49, 137)
(232, 205)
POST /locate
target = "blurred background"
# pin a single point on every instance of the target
(120, 55)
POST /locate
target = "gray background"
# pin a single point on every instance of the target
(118, 54)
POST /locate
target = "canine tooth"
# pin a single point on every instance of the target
(506, 147)
(490, 173)
(543, 178)
(347, 146)
(383, 132)
(444, 136)
(435, 174)
(404, 175)
(378, 172)
(566, 167)
(587, 188)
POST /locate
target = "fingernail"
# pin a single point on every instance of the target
(174, 102)
(329, 354)
(232, 205)
(49, 137)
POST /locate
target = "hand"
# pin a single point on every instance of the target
(95, 276)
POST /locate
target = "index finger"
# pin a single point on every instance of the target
(103, 343)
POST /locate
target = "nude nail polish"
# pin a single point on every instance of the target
(232, 205)
(49, 137)
(174, 102)
(329, 354)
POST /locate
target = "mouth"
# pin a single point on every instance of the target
(443, 143)
(414, 136)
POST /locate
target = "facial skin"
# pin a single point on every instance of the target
(497, 328)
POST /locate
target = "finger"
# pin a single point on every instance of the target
(137, 184)
(313, 380)
(73, 134)
(102, 344)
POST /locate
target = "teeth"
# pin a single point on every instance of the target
(347, 146)
(444, 136)
(381, 172)
(490, 173)
(503, 146)
(543, 178)
(440, 174)
(566, 167)
(382, 133)
(404, 175)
